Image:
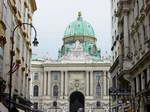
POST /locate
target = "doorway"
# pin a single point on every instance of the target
(76, 102)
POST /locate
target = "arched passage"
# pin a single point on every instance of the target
(76, 102)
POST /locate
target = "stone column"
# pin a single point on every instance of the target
(41, 83)
(126, 34)
(91, 83)
(137, 84)
(66, 83)
(49, 83)
(87, 83)
(44, 84)
(104, 82)
(62, 83)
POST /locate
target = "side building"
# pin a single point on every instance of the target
(13, 13)
(78, 80)
(131, 68)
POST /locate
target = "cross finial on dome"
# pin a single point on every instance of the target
(79, 15)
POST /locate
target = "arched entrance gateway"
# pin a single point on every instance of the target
(76, 102)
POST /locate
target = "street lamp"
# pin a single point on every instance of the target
(12, 53)
(98, 84)
(55, 104)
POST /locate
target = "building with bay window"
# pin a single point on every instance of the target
(130, 68)
(13, 13)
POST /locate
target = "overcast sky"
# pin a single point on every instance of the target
(53, 16)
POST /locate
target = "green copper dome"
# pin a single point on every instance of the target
(79, 28)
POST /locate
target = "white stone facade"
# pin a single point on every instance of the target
(13, 13)
(70, 78)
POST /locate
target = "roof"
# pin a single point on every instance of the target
(79, 27)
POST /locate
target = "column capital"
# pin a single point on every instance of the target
(87, 71)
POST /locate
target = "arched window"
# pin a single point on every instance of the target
(55, 90)
(35, 90)
(98, 90)
(36, 76)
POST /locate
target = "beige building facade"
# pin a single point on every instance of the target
(130, 69)
(13, 13)
(78, 80)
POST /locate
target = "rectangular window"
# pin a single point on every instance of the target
(139, 79)
(145, 78)
(36, 76)
(98, 91)
(56, 75)
(98, 74)
(135, 86)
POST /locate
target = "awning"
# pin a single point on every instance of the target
(20, 110)
(3, 108)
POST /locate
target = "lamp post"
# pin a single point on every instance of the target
(55, 104)
(12, 53)
(98, 84)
